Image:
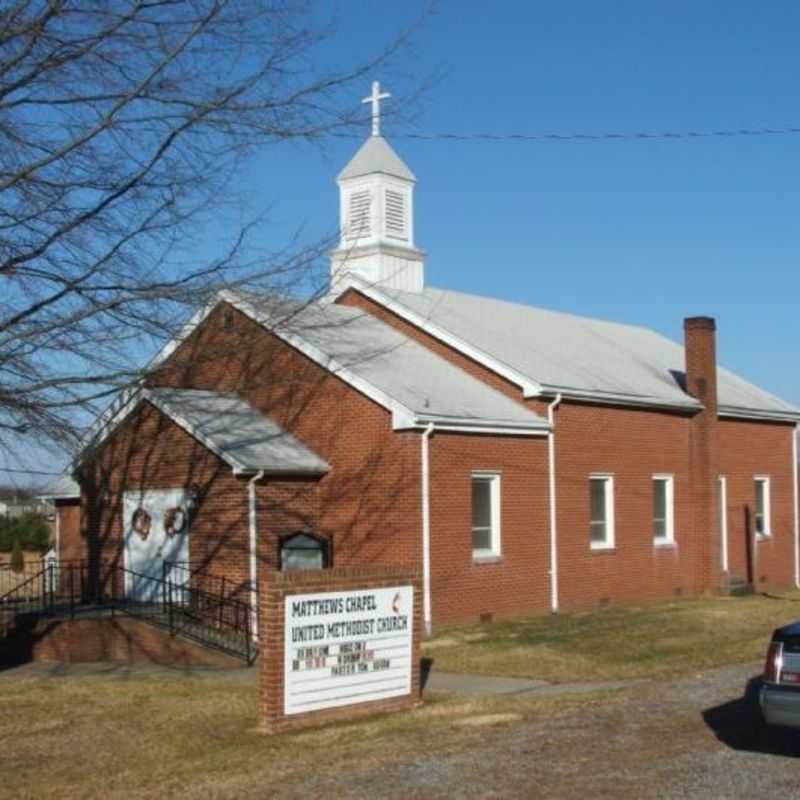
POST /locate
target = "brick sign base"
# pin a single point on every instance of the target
(358, 582)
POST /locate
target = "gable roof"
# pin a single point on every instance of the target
(376, 155)
(411, 381)
(243, 437)
(577, 356)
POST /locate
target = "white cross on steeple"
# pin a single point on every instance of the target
(375, 98)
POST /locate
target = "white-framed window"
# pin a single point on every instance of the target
(601, 508)
(663, 509)
(485, 515)
(761, 518)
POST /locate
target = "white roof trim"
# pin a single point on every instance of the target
(735, 412)
(479, 426)
(530, 388)
(614, 398)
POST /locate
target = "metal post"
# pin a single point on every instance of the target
(247, 634)
(171, 612)
(72, 591)
(52, 587)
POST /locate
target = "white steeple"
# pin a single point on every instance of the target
(376, 197)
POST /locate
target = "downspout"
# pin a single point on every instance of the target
(796, 509)
(426, 528)
(251, 497)
(58, 531)
(551, 453)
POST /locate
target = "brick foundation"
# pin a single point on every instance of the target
(120, 640)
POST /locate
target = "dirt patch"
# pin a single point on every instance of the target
(488, 720)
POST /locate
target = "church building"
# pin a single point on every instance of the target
(525, 460)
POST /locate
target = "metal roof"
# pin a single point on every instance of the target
(411, 375)
(64, 487)
(564, 352)
(239, 434)
(376, 155)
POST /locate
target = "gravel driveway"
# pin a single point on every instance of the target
(697, 737)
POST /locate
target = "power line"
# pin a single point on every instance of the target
(599, 137)
(28, 471)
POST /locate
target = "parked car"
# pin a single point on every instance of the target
(779, 696)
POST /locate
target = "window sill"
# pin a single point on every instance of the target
(600, 549)
(763, 537)
(489, 558)
(665, 545)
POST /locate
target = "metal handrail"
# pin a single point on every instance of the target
(223, 623)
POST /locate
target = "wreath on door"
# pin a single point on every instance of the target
(175, 521)
(141, 522)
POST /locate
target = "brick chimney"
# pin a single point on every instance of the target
(701, 382)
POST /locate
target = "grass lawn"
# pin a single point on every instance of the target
(137, 735)
(661, 640)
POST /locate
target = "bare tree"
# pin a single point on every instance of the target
(119, 121)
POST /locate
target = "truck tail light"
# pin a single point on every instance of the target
(774, 663)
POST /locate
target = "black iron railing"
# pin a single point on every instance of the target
(71, 589)
(51, 587)
(198, 575)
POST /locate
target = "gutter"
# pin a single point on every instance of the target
(251, 503)
(426, 528)
(551, 453)
(796, 508)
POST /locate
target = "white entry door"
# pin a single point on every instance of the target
(156, 529)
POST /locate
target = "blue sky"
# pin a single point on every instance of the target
(636, 231)
(646, 232)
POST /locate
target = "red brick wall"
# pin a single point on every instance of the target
(72, 546)
(372, 491)
(463, 589)
(747, 449)
(632, 445)
(120, 639)
(635, 444)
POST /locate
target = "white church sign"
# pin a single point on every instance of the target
(343, 648)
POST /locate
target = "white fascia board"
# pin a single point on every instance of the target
(278, 472)
(734, 412)
(530, 388)
(402, 417)
(613, 398)
(483, 426)
(60, 496)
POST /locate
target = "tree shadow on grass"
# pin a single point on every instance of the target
(739, 725)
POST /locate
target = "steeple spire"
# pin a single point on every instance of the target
(375, 98)
(376, 191)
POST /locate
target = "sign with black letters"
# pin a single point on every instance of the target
(343, 648)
